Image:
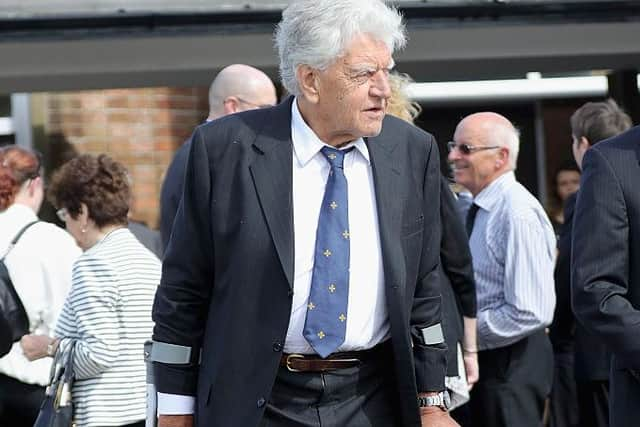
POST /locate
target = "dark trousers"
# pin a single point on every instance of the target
(563, 401)
(362, 396)
(625, 398)
(19, 402)
(593, 403)
(514, 383)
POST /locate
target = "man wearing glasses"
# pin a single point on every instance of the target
(513, 249)
(236, 88)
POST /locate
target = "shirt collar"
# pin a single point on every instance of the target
(306, 143)
(489, 196)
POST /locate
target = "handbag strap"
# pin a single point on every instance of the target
(69, 373)
(16, 238)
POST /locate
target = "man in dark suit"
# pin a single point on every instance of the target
(304, 255)
(580, 399)
(235, 88)
(605, 266)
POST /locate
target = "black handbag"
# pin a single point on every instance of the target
(14, 322)
(56, 409)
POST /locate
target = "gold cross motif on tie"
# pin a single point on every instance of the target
(332, 288)
(342, 317)
(311, 306)
(326, 253)
(333, 205)
(346, 234)
(321, 335)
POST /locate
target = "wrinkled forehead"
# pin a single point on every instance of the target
(367, 49)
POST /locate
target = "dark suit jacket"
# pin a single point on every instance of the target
(592, 359)
(458, 283)
(605, 271)
(227, 281)
(171, 191)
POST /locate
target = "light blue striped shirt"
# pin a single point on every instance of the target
(513, 250)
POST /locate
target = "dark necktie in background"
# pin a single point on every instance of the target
(326, 322)
(471, 218)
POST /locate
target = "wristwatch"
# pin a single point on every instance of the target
(441, 400)
(51, 349)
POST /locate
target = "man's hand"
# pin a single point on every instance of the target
(471, 367)
(175, 421)
(436, 417)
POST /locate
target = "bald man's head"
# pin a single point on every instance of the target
(495, 129)
(240, 87)
(486, 146)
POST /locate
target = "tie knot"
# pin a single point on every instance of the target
(335, 157)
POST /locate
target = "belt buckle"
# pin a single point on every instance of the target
(293, 356)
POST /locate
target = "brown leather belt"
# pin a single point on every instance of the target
(313, 363)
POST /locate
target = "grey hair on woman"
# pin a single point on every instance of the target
(317, 32)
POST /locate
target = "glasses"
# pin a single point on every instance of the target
(63, 214)
(252, 104)
(467, 149)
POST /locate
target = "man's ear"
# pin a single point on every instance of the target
(503, 157)
(230, 105)
(309, 83)
(584, 142)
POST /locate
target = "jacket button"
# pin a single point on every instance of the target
(277, 346)
(261, 402)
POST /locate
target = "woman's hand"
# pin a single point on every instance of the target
(38, 346)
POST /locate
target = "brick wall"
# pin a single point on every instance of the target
(141, 128)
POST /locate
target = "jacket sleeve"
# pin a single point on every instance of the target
(600, 261)
(429, 350)
(182, 300)
(455, 254)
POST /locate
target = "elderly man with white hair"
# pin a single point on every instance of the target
(303, 260)
(513, 250)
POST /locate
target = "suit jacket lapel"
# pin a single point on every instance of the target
(271, 171)
(386, 176)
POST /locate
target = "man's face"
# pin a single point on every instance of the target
(478, 169)
(353, 92)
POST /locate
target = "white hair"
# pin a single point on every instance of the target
(507, 136)
(317, 32)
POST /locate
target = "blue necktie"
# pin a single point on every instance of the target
(326, 322)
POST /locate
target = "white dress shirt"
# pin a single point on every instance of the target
(513, 251)
(40, 268)
(367, 317)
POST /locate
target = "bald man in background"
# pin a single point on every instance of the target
(236, 88)
(513, 250)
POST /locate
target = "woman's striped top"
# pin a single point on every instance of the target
(108, 313)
